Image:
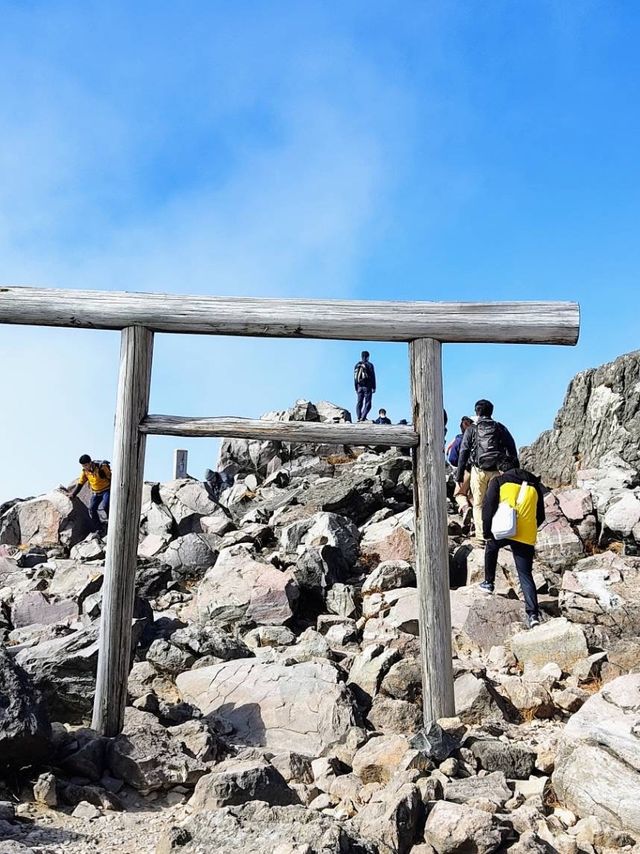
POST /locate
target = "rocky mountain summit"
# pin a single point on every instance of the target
(275, 689)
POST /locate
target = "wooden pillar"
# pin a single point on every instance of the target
(136, 353)
(430, 506)
(179, 463)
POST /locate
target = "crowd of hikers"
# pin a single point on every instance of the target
(501, 503)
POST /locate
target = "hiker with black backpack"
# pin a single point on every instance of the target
(483, 445)
(364, 381)
(97, 473)
(513, 511)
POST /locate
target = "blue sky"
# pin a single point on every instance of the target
(424, 150)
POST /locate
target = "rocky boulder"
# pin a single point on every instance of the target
(601, 411)
(604, 590)
(597, 772)
(262, 593)
(303, 707)
(49, 520)
(557, 641)
(24, 724)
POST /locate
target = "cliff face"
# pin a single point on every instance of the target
(600, 413)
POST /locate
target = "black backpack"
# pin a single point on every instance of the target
(104, 468)
(361, 373)
(489, 444)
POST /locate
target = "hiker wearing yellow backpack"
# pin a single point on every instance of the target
(512, 512)
(98, 475)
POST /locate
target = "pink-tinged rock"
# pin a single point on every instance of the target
(575, 503)
(266, 594)
(48, 520)
(34, 608)
(395, 545)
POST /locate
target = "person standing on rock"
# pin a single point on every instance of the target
(364, 381)
(98, 476)
(521, 490)
(483, 444)
(461, 494)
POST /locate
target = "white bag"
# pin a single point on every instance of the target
(505, 519)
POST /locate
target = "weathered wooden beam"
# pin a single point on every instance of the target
(431, 542)
(493, 322)
(122, 539)
(319, 432)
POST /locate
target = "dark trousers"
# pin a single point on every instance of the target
(523, 557)
(98, 500)
(363, 404)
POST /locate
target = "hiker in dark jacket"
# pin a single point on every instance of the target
(529, 505)
(462, 492)
(364, 381)
(483, 444)
(382, 417)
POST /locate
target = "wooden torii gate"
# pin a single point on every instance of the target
(423, 325)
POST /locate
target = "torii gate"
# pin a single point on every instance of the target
(424, 325)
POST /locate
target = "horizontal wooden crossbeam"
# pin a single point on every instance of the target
(320, 432)
(461, 322)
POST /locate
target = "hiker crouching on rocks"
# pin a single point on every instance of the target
(364, 381)
(98, 476)
(483, 444)
(521, 491)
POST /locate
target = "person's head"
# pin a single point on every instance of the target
(382, 413)
(506, 463)
(465, 423)
(365, 355)
(86, 462)
(484, 408)
(402, 421)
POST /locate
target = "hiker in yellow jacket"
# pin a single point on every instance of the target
(98, 476)
(529, 505)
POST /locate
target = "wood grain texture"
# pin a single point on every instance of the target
(496, 322)
(432, 553)
(122, 539)
(283, 431)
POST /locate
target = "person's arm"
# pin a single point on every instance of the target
(464, 453)
(373, 378)
(540, 512)
(81, 482)
(489, 507)
(510, 444)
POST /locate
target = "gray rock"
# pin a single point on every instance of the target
(196, 736)
(474, 701)
(604, 590)
(255, 827)
(599, 413)
(557, 641)
(303, 707)
(378, 760)
(192, 552)
(86, 811)
(389, 715)
(318, 568)
(458, 829)
(235, 782)
(491, 621)
(597, 771)
(206, 639)
(341, 600)
(491, 788)
(514, 760)
(392, 818)
(403, 681)
(323, 529)
(82, 754)
(368, 669)
(64, 670)
(169, 658)
(25, 731)
(389, 575)
(147, 757)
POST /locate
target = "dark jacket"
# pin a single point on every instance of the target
(371, 382)
(466, 457)
(453, 451)
(382, 420)
(496, 493)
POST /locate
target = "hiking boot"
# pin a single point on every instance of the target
(487, 586)
(533, 620)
